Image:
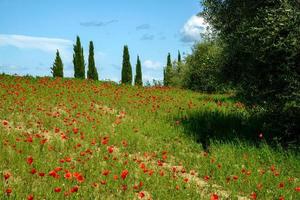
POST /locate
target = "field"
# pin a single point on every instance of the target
(66, 138)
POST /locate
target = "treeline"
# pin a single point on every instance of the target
(57, 69)
(254, 48)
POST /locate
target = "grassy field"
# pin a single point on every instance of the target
(75, 139)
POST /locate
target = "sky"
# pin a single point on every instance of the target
(31, 31)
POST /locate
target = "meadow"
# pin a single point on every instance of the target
(80, 139)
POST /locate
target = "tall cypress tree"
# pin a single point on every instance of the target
(78, 60)
(179, 57)
(138, 74)
(92, 70)
(168, 71)
(57, 69)
(126, 67)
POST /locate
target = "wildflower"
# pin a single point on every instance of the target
(57, 189)
(68, 175)
(281, 185)
(105, 172)
(7, 175)
(297, 189)
(260, 136)
(74, 189)
(253, 195)
(141, 194)
(8, 191)
(33, 171)
(124, 174)
(30, 197)
(29, 160)
(214, 197)
(110, 149)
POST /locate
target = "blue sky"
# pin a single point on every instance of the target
(32, 30)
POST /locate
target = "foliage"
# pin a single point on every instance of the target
(58, 68)
(261, 56)
(138, 74)
(203, 67)
(92, 70)
(168, 71)
(126, 67)
(78, 60)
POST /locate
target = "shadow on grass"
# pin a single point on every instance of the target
(223, 125)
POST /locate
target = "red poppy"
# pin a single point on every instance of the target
(74, 189)
(124, 174)
(68, 175)
(141, 194)
(281, 185)
(7, 175)
(29, 160)
(8, 191)
(281, 198)
(297, 189)
(5, 123)
(214, 197)
(75, 130)
(30, 197)
(253, 195)
(110, 149)
(105, 172)
(57, 189)
(33, 171)
(41, 174)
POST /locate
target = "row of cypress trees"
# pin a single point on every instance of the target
(79, 65)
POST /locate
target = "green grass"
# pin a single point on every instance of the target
(145, 128)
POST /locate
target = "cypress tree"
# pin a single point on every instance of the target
(126, 67)
(138, 74)
(78, 60)
(92, 70)
(179, 57)
(57, 69)
(168, 71)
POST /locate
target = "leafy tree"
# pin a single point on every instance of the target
(168, 71)
(78, 60)
(92, 70)
(126, 67)
(203, 68)
(261, 56)
(58, 68)
(138, 75)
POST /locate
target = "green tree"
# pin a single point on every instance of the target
(168, 71)
(58, 68)
(261, 56)
(179, 57)
(138, 74)
(78, 60)
(92, 70)
(126, 67)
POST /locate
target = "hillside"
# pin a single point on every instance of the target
(79, 138)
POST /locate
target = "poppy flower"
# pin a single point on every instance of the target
(74, 189)
(30, 197)
(57, 189)
(141, 194)
(281, 185)
(68, 175)
(105, 172)
(214, 197)
(110, 149)
(29, 160)
(8, 191)
(297, 189)
(7, 175)
(253, 195)
(124, 174)
(5, 123)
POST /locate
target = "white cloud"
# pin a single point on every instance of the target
(49, 45)
(193, 28)
(149, 64)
